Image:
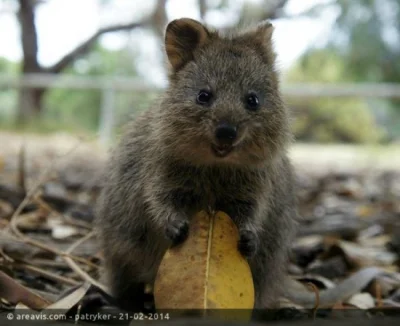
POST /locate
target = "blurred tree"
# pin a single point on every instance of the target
(367, 34)
(366, 39)
(7, 66)
(324, 120)
(262, 10)
(245, 12)
(80, 109)
(7, 96)
(30, 100)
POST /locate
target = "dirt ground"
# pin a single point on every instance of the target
(88, 154)
(349, 200)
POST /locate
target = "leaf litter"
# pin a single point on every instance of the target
(349, 238)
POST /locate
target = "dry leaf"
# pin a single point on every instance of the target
(33, 221)
(70, 300)
(309, 241)
(61, 231)
(381, 286)
(2, 163)
(317, 280)
(21, 306)
(286, 303)
(342, 291)
(207, 270)
(362, 301)
(62, 306)
(339, 306)
(367, 256)
(15, 293)
(379, 242)
(5, 209)
(366, 211)
(331, 268)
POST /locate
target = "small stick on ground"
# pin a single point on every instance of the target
(85, 276)
(317, 301)
(34, 190)
(13, 226)
(378, 291)
(51, 276)
(21, 169)
(40, 245)
(65, 219)
(50, 263)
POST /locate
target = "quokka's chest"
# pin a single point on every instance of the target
(202, 190)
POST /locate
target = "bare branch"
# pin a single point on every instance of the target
(266, 10)
(275, 11)
(202, 8)
(159, 17)
(85, 47)
(313, 11)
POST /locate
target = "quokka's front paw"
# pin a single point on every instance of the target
(247, 243)
(177, 230)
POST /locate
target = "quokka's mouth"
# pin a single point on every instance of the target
(221, 150)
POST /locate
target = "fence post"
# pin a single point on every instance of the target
(106, 123)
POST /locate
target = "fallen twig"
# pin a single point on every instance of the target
(65, 219)
(50, 263)
(316, 291)
(51, 276)
(85, 276)
(15, 293)
(28, 197)
(21, 169)
(33, 191)
(378, 291)
(40, 245)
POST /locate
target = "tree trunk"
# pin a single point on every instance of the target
(30, 102)
(29, 99)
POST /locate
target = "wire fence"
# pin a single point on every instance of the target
(109, 85)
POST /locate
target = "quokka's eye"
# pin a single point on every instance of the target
(204, 97)
(252, 102)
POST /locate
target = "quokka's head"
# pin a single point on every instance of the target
(223, 104)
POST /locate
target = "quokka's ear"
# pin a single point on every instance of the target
(183, 36)
(262, 33)
(260, 39)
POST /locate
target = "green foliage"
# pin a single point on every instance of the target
(367, 34)
(7, 96)
(323, 66)
(8, 67)
(364, 46)
(342, 120)
(73, 107)
(81, 108)
(329, 120)
(76, 110)
(372, 48)
(44, 125)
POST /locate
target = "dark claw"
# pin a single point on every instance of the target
(247, 243)
(177, 231)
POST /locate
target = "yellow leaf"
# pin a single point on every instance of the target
(207, 271)
(366, 211)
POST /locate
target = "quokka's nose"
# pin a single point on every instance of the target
(225, 133)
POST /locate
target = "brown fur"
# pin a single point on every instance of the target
(164, 169)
